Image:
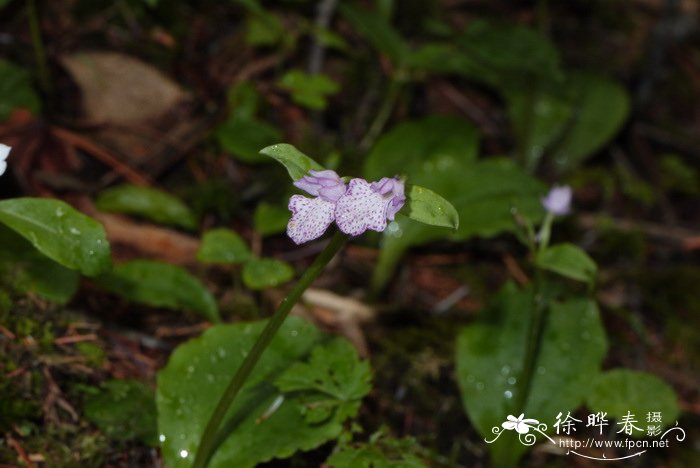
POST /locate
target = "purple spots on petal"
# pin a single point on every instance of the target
(311, 217)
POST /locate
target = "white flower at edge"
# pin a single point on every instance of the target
(521, 425)
(4, 152)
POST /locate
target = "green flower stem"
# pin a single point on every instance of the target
(533, 343)
(39, 50)
(208, 443)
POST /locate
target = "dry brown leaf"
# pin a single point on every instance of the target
(121, 90)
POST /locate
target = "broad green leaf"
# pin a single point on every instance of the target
(440, 153)
(261, 273)
(16, 90)
(160, 285)
(568, 260)
(243, 100)
(490, 359)
(270, 219)
(378, 31)
(297, 163)
(242, 138)
(602, 107)
(421, 148)
(380, 452)
(308, 90)
(35, 272)
(619, 391)
(427, 207)
(539, 114)
(505, 56)
(147, 202)
(49, 280)
(262, 423)
(263, 29)
(223, 246)
(124, 410)
(60, 232)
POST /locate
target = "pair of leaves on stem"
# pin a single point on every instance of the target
(422, 205)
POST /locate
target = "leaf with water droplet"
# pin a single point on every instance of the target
(160, 285)
(484, 348)
(55, 236)
(259, 427)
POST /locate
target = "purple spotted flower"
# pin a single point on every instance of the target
(312, 216)
(558, 200)
(368, 206)
(325, 184)
(4, 153)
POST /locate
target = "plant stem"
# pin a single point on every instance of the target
(535, 329)
(39, 50)
(382, 115)
(207, 443)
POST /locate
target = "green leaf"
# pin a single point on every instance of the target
(16, 90)
(602, 108)
(243, 137)
(262, 423)
(505, 56)
(262, 273)
(440, 153)
(427, 207)
(149, 203)
(568, 260)
(160, 285)
(297, 163)
(619, 391)
(490, 359)
(60, 232)
(378, 31)
(124, 410)
(34, 272)
(263, 29)
(243, 100)
(270, 219)
(308, 90)
(380, 452)
(539, 114)
(223, 246)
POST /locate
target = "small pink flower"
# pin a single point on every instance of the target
(325, 184)
(368, 206)
(4, 153)
(310, 218)
(558, 200)
(522, 426)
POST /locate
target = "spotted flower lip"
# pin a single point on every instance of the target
(4, 153)
(368, 206)
(558, 200)
(325, 184)
(356, 208)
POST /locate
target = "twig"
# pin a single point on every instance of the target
(324, 12)
(79, 142)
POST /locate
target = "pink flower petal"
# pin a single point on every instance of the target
(361, 208)
(310, 219)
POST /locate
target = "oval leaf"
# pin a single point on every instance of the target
(223, 246)
(489, 358)
(261, 273)
(428, 207)
(149, 203)
(568, 260)
(242, 137)
(16, 90)
(620, 391)
(270, 219)
(160, 285)
(60, 232)
(297, 163)
(263, 422)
